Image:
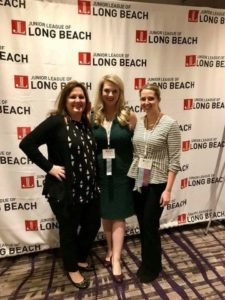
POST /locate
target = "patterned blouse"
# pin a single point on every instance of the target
(163, 147)
(83, 159)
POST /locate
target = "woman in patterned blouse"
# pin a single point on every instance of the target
(70, 183)
(156, 161)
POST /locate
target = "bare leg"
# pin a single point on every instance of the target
(107, 227)
(118, 232)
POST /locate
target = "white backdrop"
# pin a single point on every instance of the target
(43, 45)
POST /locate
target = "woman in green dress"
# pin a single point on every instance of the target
(113, 125)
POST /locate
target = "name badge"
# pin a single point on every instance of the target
(145, 163)
(108, 153)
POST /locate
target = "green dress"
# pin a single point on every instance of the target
(116, 189)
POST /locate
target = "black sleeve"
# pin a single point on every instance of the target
(41, 135)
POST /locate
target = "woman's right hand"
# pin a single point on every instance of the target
(58, 172)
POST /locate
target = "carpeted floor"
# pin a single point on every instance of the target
(193, 268)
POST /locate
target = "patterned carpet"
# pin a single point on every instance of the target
(194, 268)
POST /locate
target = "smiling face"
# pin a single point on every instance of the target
(110, 94)
(76, 103)
(149, 100)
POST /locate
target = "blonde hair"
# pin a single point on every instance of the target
(122, 112)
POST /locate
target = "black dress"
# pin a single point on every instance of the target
(116, 195)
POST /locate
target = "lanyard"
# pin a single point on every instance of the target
(108, 126)
(146, 136)
(146, 142)
(111, 154)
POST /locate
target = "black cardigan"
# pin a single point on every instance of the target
(53, 133)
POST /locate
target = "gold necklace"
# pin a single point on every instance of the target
(152, 125)
(110, 117)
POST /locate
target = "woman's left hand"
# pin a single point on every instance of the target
(165, 198)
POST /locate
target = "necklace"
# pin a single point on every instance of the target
(107, 123)
(110, 116)
(152, 125)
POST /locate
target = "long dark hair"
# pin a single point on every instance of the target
(62, 98)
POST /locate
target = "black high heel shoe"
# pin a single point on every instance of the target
(117, 278)
(107, 263)
(84, 284)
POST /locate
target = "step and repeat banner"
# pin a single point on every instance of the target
(43, 45)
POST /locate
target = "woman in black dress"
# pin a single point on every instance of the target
(113, 125)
